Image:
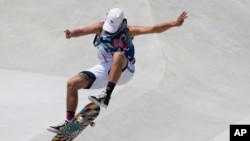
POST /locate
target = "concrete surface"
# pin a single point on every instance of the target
(190, 84)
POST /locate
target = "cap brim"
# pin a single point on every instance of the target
(111, 29)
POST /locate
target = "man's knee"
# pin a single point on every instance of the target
(80, 81)
(72, 84)
(119, 55)
(120, 58)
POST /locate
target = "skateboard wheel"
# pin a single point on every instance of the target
(80, 119)
(92, 124)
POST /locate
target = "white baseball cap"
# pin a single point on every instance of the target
(113, 20)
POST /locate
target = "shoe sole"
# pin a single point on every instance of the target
(53, 130)
(97, 102)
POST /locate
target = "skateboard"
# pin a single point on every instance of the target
(76, 125)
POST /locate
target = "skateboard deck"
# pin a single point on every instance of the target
(76, 125)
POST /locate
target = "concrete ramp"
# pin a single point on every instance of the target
(190, 84)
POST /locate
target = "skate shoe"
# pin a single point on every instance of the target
(58, 128)
(101, 100)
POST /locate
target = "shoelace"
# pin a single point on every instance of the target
(103, 95)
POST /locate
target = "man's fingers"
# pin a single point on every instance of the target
(184, 14)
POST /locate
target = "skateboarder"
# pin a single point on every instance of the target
(115, 52)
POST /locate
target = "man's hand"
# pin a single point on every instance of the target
(181, 19)
(68, 34)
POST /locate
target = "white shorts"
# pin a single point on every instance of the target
(101, 75)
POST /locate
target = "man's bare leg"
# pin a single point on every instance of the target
(119, 63)
(73, 85)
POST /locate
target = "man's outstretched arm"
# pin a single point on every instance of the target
(157, 28)
(92, 29)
